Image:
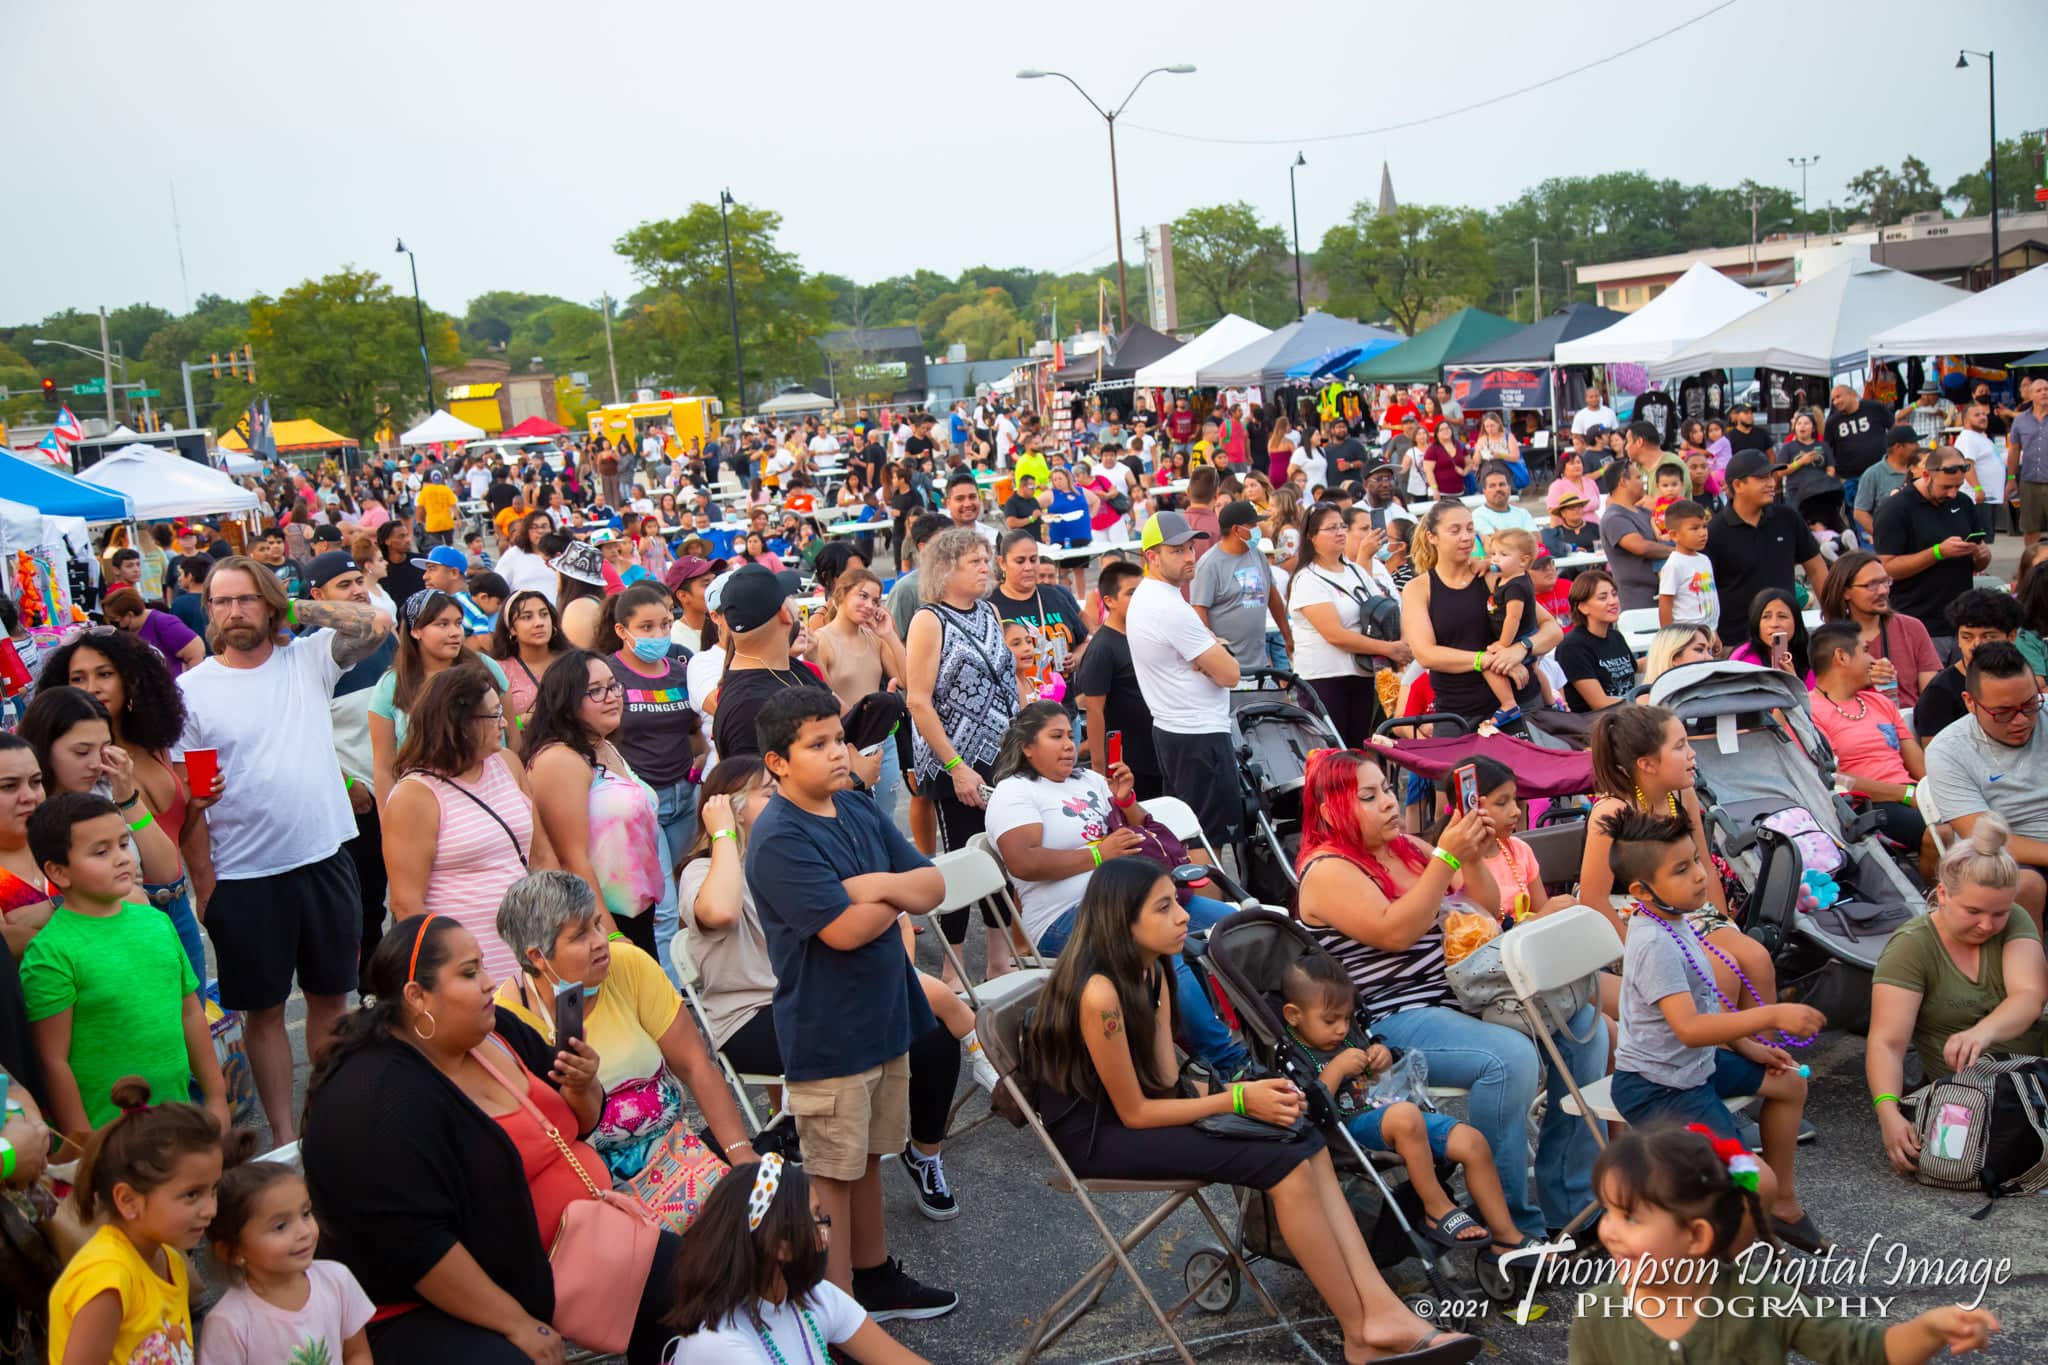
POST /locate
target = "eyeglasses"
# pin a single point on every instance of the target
(1872, 584)
(2005, 715)
(240, 602)
(604, 691)
(494, 717)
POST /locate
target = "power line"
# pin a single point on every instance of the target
(1448, 113)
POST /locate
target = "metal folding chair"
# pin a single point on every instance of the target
(686, 972)
(1000, 1027)
(1181, 822)
(973, 879)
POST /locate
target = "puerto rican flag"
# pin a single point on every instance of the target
(66, 431)
(53, 449)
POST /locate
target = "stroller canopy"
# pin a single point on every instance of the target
(1725, 689)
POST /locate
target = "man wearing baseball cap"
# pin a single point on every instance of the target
(1185, 674)
(756, 606)
(446, 569)
(1234, 593)
(1756, 542)
(1902, 451)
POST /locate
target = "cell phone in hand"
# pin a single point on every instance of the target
(1116, 747)
(568, 1012)
(1465, 787)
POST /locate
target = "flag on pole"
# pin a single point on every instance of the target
(53, 449)
(67, 431)
(262, 439)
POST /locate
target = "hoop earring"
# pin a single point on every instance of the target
(429, 1036)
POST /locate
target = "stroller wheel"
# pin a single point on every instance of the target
(1495, 1282)
(1217, 1295)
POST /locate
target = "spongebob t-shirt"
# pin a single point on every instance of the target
(1072, 814)
(156, 1314)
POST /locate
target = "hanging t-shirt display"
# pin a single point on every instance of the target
(1656, 408)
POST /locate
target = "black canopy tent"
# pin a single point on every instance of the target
(1138, 347)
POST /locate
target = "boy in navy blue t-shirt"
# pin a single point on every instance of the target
(830, 875)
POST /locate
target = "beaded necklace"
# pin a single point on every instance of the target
(1672, 927)
(1643, 801)
(811, 1332)
(1862, 706)
(1520, 907)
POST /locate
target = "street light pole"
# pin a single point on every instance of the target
(1295, 204)
(419, 316)
(1109, 116)
(1805, 206)
(611, 357)
(107, 368)
(732, 301)
(1990, 167)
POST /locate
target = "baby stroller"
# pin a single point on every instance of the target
(1541, 768)
(1767, 777)
(1276, 722)
(1245, 957)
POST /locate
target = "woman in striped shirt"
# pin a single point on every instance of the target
(1374, 897)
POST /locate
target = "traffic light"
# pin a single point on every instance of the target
(49, 390)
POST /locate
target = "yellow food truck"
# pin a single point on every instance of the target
(687, 417)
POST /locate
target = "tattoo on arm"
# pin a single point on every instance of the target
(1112, 1021)
(356, 634)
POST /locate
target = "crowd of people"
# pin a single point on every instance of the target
(487, 764)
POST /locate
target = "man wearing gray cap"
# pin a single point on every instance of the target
(1186, 674)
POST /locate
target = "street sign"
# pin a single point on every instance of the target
(145, 393)
(90, 388)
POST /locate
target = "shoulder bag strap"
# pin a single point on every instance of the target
(533, 1111)
(485, 807)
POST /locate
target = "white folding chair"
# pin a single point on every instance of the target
(686, 972)
(1181, 822)
(1924, 802)
(1638, 626)
(974, 878)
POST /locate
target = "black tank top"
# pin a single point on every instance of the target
(1459, 619)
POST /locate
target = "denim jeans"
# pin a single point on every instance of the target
(1276, 652)
(1502, 1068)
(1207, 1035)
(676, 808)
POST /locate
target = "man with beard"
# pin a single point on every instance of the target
(276, 889)
(1379, 496)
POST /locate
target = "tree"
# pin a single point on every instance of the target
(1886, 197)
(989, 327)
(1226, 259)
(2020, 169)
(683, 317)
(495, 317)
(344, 351)
(1408, 265)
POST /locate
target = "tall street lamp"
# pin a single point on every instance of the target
(1991, 167)
(732, 303)
(1805, 208)
(1295, 205)
(419, 315)
(1109, 116)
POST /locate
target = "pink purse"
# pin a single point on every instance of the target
(601, 1253)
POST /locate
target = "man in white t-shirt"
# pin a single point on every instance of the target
(778, 463)
(1497, 512)
(1987, 467)
(1185, 674)
(479, 477)
(1596, 413)
(824, 445)
(278, 894)
(1006, 439)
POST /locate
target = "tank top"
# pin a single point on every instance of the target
(1067, 522)
(625, 842)
(475, 858)
(1389, 980)
(1459, 619)
(976, 690)
(551, 1182)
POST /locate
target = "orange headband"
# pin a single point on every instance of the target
(412, 968)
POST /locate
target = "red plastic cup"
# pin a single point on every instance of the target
(202, 770)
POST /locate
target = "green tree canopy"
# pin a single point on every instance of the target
(1415, 262)
(344, 351)
(1226, 261)
(2020, 169)
(1886, 197)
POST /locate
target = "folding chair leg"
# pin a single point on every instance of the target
(1549, 1043)
(1096, 1280)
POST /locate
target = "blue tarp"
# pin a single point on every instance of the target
(57, 494)
(1340, 358)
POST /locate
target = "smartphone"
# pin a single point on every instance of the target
(1976, 535)
(1465, 787)
(1116, 747)
(568, 1012)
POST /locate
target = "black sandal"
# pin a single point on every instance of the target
(1802, 1235)
(1444, 1231)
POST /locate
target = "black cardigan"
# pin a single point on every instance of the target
(402, 1167)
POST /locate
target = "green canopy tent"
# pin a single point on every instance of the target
(1421, 358)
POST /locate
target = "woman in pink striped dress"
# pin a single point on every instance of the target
(458, 825)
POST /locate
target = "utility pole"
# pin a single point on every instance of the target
(1536, 280)
(1300, 310)
(1752, 229)
(1805, 205)
(732, 300)
(107, 367)
(610, 357)
(1567, 280)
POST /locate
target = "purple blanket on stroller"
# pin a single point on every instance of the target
(1538, 771)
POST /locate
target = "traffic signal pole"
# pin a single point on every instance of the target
(107, 367)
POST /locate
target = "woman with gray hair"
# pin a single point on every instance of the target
(649, 1050)
(962, 692)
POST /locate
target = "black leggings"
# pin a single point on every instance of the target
(1354, 706)
(934, 1070)
(428, 1336)
(959, 822)
(639, 931)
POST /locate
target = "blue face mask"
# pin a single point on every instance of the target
(650, 649)
(1384, 552)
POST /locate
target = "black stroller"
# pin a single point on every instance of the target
(1276, 722)
(1246, 956)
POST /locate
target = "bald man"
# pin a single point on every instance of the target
(1854, 436)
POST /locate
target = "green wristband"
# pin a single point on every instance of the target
(1236, 1105)
(6, 1159)
(1479, 662)
(1937, 554)
(1095, 852)
(950, 764)
(1878, 1100)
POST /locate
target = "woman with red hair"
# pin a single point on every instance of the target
(1374, 897)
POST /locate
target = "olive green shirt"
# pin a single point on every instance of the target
(1950, 1002)
(1605, 1332)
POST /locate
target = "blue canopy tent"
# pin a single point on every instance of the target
(1275, 357)
(1338, 359)
(55, 493)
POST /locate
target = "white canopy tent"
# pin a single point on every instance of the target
(162, 484)
(440, 429)
(239, 462)
(795, 401)
(1181, 369)
(1823, 327)
(1700, 301)
(2011, 316)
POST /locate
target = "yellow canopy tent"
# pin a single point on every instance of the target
(295, 434)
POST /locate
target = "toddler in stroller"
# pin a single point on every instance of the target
(1319, 1005)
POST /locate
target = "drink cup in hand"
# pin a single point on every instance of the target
(202, 771)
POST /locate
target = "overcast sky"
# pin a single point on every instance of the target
(511, 144)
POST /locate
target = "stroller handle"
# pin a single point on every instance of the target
(1193, 874)
(1460, 726)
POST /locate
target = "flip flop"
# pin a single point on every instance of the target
(1457, 1349)
(1802, 1235)
(1444, 1231)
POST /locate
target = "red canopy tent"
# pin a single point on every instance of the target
(533, 426)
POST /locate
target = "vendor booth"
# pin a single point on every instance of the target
(2008, 317)
(1822, 328)
(1421, 358)
(1700, 301)
(1316, 340)
(1180, 369)
(160, 486)
(439, 429)
(1519, 372)
(1117, 364)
